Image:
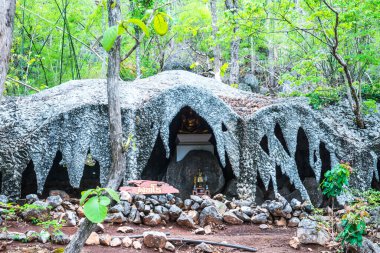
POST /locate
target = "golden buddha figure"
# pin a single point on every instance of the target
(191, 123)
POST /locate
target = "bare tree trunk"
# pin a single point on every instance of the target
(232, 5)
(118, 165)
(7, 13)
(217, 53)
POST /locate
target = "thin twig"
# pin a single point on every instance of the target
(24, 84)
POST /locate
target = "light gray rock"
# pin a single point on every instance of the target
(43, 236)
(293, 222)
(152, 219)
(230, 218)
(54, 201)
(30, 198)
(309, 232)
(369, 247)
(174, 212)
(203, 247)
(210, 215)
(153, 239)
(3, 199)
(60, 238)
(260, 218)
(115, 218)
(185, 220)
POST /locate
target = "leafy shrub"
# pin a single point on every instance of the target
(323, 96)
(53, 226)
(371, 91)
(354, 226)
(369, 106)
(336, 179)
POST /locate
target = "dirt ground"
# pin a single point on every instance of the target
(273, 240)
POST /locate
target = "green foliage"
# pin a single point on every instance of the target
(323, 96)
(371, 91)
(336, 179)
(354, 226)
(95, 203)
(53, 226)
(369, 106)
(371, 197)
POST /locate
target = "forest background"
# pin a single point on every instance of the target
(286, 47)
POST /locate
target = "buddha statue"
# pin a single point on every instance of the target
(191, 123)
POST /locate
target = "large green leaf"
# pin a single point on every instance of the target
(160, 25)
(113, 194)
(109, 37)
(85, 195)
(94, 210)
(104, 201)
(140, 24)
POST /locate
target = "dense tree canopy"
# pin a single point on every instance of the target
(289, 45)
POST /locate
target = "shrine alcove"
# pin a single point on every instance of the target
(193, 157)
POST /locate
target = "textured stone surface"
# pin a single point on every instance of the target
(72, 118)
(309, 232)
(153, 239)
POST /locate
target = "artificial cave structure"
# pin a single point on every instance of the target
(247, 145)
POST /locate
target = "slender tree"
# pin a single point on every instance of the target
(232, 6)
(118, 164)
(217, 51)
(7, 13)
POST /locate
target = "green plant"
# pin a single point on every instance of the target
(323, 96)
(334, 182)
(95, 203)
(336, 179)
(354, 226)
(369, 106)
(53, 226)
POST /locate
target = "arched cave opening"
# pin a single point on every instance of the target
(193, 150)
(157, 163)
(305, 171)
(284, 186)
(325, 159)
(58, 178)
(375, 184)
(264, 144)
(91, 175)
(302, 156)
(29, 180)
(280, 136)
(262, 193)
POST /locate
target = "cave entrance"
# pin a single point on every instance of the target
(193, 159)
(29, 180)
(1, 181)
(305, 170)
(376, 183)
(91, 174)
(58, 177)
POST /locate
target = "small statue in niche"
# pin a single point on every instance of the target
(191, 123)
(200, 184)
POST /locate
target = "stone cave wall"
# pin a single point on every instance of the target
(280, 143)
